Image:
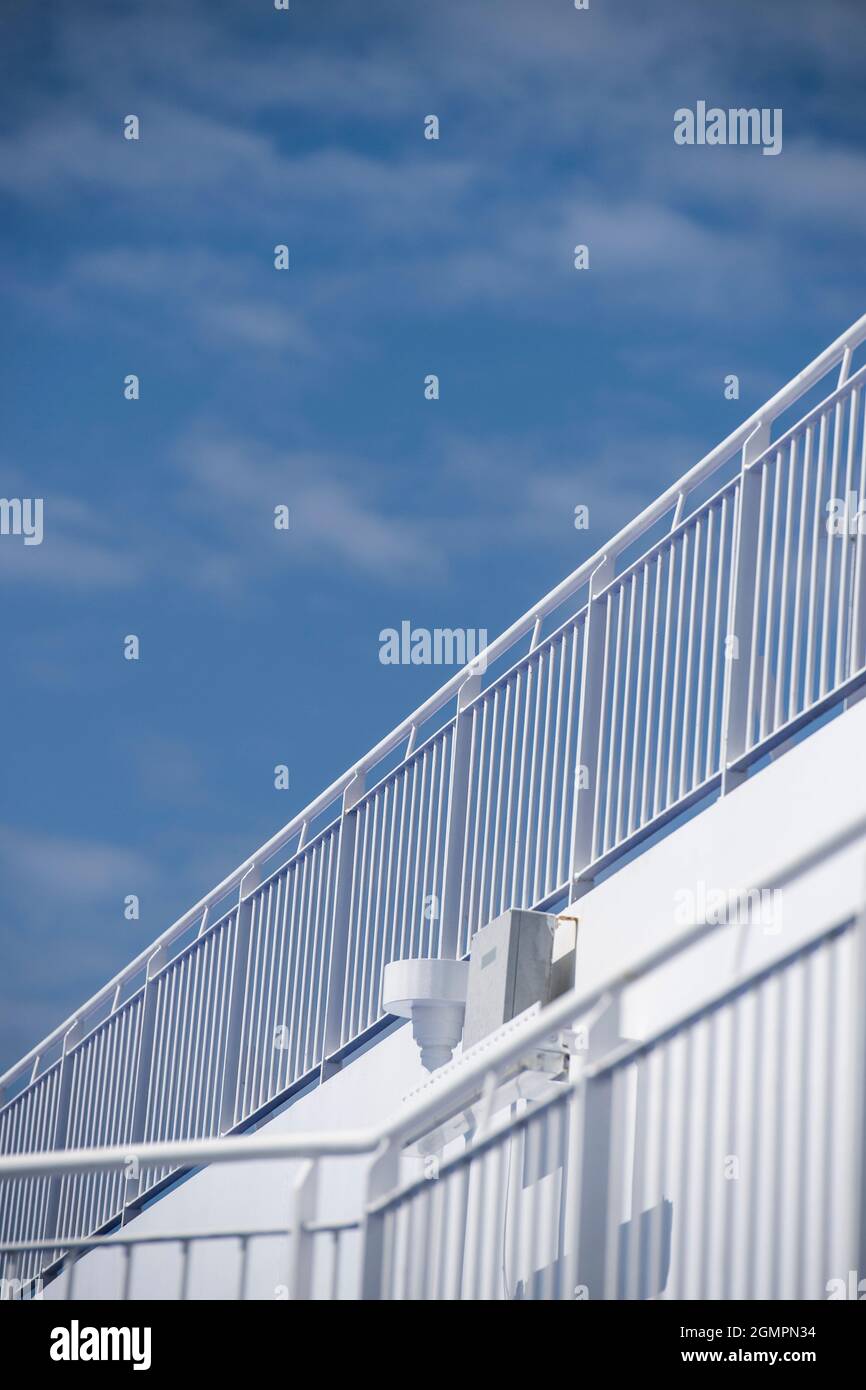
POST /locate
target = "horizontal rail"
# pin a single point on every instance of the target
(76, 1244)
(183, 1154)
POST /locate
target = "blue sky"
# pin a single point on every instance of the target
(408, 257)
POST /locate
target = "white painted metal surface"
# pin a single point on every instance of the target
(612, 1186)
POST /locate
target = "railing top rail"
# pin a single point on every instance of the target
(849, 385)
(83, 1244)
(660, 546)
(706, 466)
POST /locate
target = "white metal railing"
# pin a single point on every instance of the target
(663, 666)
(610, 1189)
(662, 679)
(17, 1283)
(610, 1185)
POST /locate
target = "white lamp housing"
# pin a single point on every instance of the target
(433, 994)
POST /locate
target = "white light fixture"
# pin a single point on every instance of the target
(433, 994)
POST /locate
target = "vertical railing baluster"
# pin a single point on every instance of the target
(341, 925)
(304, 1203)
(382, 1179)
(858, 597)
(143, 1072)
(738, 643)
(61, 1127)
(455, 824)
(588, 719)
(183, 1292)
(238, 987)
(856, 984)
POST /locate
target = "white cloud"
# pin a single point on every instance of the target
(68, 871)
(82, 547)
(334, 515)
(557, 128)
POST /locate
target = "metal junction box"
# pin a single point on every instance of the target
(510, 968)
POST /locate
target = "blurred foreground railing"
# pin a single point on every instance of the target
(706, 634)
(720, 1156)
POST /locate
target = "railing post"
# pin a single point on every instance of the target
(591, 1159)
(738, 641)
(240, 956)
(586, 755)
(382, 1179)
(61, 1127)
(341, 926)
(858, 1173)
(857, 652)
(143, 1072)
(304, 1202)
(455, 825)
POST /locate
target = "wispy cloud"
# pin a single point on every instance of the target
(80, 548)
(69, 871)
(487, 217)
(337, 512)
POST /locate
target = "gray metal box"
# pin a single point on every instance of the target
(510, 968)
